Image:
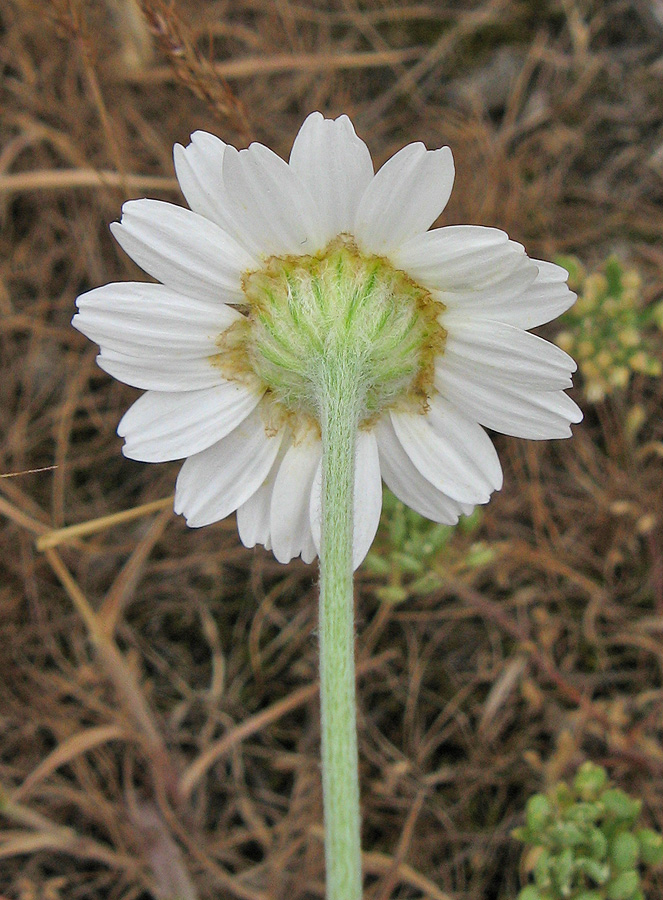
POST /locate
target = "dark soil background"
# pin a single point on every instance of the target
(158, 700)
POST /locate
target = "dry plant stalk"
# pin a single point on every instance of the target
(70, 16)
(191, 68)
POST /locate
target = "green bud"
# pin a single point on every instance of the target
(590, 780)
(565, 340)
(652, 367)
(623, 886)
(538, 812)
(629, 337)
(651, 846)
(563, 795)
(619, 376)
(639, 362)
(624, 851)
(583, 813)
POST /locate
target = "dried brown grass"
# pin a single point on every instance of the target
(158, 701)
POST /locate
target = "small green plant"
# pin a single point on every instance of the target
(584, 842)
(608, 330)
(412, 553)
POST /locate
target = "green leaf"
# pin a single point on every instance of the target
(623, 886)
(624, 851)
(567, 834)
(651, 846)
(599, 872)
(529, 893)
(542, 870)
(562, 871)
(619, 805)
(597, 844)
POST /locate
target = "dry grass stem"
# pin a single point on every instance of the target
(103, 523)
(67, 179)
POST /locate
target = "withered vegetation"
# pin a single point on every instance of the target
(158, 700)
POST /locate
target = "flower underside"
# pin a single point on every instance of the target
(339, 310)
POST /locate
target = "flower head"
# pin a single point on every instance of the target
(279, 271)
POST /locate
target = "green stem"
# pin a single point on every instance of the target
(339, 415)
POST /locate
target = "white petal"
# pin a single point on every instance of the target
(199, 169)
(502, 353)
(309, 550)
(452, 452)
(408, 484)
(160, 373)
(479, 271)
(404, 198)
(516, 298)
(212, 484)
(509, 408)
(161, 426)
(271, 206)
(547, 298)
(461, 257)
(141, 319)
(336, 167)
(505, 300)
(253, 515)
(183, 250)
(367, 497)
(290, 526)
(550, 273)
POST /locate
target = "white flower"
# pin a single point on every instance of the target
(259, 226)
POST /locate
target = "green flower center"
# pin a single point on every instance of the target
(339, 309)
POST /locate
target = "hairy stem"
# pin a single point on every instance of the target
(339, 415)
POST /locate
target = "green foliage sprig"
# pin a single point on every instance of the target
(584, 841)
(412, 553)
(609, 330)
